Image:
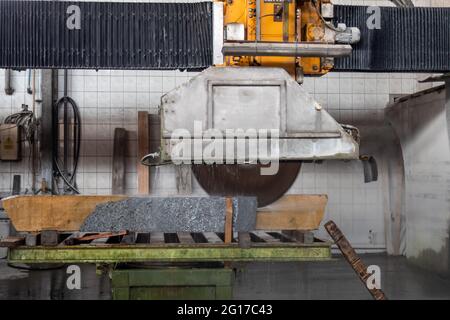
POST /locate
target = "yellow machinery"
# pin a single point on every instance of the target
(290, 21)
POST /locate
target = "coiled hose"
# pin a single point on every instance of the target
(69, 175)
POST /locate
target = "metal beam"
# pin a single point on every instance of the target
(281, 49)
(170, 253)
(49, 82)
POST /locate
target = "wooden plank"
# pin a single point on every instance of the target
(157, 238)
(143, 172)
(266, 237)
(79, 237)
(293, 212)
(143, 237)
(70, 239)
(12, 242)
(185, 237)
(61, 213)
(129, 238)
(300, 236)
(212, 237)
(118, 168)
(229, 220)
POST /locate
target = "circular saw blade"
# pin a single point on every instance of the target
(246, 180)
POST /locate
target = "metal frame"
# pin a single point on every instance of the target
(170, 253)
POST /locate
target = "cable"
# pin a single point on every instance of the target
(67, 176)
(26, 120)
(327, 24)
(268, 15)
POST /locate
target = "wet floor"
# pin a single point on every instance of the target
(306, 280)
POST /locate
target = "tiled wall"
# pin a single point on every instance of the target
(110, 99)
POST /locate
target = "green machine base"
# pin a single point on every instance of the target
(173, 284)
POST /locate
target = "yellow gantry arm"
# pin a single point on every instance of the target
(277, 21)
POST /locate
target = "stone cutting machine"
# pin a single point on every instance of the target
(262, 51)
(250, 96)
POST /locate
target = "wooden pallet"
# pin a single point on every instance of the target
(162, 247)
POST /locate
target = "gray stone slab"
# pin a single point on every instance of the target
(171, 214)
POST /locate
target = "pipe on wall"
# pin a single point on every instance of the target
(8, 89)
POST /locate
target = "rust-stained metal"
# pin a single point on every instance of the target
(352, 258)
(246, 180)
(91, 237)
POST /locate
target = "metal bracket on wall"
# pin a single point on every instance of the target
(370, 168)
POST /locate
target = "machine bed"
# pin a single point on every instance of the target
(162, 247)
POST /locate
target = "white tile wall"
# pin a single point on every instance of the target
(110, 99)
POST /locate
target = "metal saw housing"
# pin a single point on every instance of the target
(259, 98)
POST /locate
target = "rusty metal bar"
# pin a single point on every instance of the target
(352, 258)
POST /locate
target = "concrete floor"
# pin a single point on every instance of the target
(307, 280)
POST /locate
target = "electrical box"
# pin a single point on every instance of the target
(327, 10)
(9, 142)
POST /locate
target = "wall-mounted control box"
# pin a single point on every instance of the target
(10, 142)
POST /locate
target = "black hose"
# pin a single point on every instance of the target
(67, 176)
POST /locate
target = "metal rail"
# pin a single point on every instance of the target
(170, 247)
(286, 49)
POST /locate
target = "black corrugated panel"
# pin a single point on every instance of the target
(410, 39)
(33, 34)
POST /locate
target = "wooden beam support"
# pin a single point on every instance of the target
(143, 172)
(12, 242)
(82, 237)
(185, 237)
(212, 237)
(293, 212)
(229, 220)
(157, 238)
